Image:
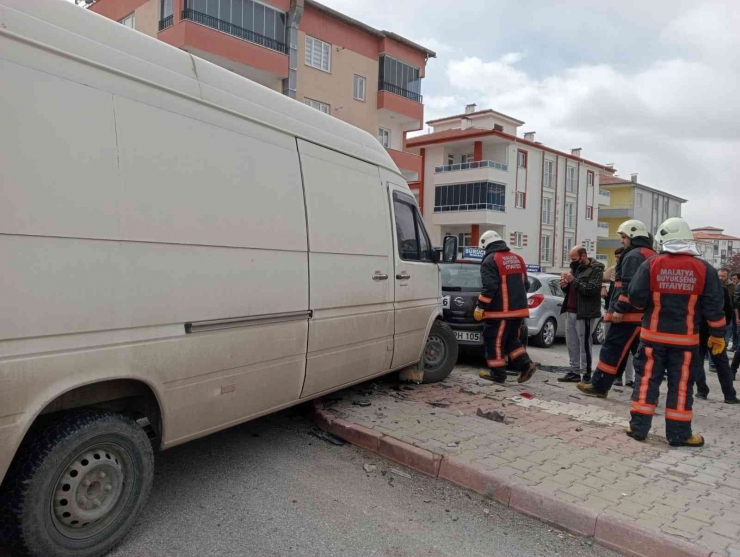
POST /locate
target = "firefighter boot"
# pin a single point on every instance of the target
(589, 390)
(631, 433)
(488, 374)
(527, 374)
(695, 440)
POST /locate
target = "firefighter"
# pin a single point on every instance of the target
(678, 291)
(622, 337)
(503, 304)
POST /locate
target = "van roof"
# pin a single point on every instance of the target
(97, 40)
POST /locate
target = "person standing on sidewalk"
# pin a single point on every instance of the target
(622, 338)
(724, 277)
(725, 374)
(735, 278)
(503, 304)
(736, 307)
(582, 306)
(679, 291)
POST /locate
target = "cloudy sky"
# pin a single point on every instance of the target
(652, 86)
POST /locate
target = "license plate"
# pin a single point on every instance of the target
(446, 302)
(467, 336)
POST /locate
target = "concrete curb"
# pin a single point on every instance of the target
(624, 537)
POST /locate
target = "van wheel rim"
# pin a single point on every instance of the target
(435, 352)
(87, 497)
(548, 335)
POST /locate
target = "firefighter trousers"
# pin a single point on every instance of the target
(501, 339)
(621, 339)
(680, 364)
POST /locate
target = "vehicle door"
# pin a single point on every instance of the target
(557, 298)
(417, 288)
(350, 269)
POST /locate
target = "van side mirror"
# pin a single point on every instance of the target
(449, 249)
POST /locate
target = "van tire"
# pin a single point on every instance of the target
(440, 353)
(112, 460)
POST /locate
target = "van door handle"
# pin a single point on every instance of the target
(403, 276)
(380, 276)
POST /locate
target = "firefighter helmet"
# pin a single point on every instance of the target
(674, 228)
(634, 229)
(488, 238)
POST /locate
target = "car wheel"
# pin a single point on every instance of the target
(76, 489)
(599, 334)
(440, 353)
(546, 337)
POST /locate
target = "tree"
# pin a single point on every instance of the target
(733, 263)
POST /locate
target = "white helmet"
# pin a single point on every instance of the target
(633, 229)
(674, 228)
(488, 238)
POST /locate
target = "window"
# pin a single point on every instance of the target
(399, 78)
(546, 210)
(450, 159)
(571, 182)
(518, 239)
(464, 238)
(676, 211)
(545, 249)
(567, 246)
(555, 289)
(318, 54)
(521, 158)
(639, 201)
(589, 213)
(716, 248)
(468, 158)
(549, 174)
(478, 196)
(323, 107)
(570, 221)
(129, 21)
(519, 199)
(589, 179)
(384, 136)
(413, 240)
(665, 208)
(165, 8)
(358, 90)
(656, 204)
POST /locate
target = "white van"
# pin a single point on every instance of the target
(182, 250)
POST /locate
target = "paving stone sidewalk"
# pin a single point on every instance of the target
(572, 447)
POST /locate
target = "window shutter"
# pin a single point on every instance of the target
(325, 59)
(309, 50)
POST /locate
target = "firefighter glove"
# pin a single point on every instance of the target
(478, 314)
(716, 345)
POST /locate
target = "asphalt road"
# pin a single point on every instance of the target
(269, 488)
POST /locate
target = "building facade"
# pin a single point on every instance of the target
(479, 175)
(338, 65)
(632, 200)
(716, 247)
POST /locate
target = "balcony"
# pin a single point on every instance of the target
(401, 92)
(604, 197)
(166, 22)
(408, 163)
(477, 171)
(401, 105)
(234, 30)
(618, 211)
(603, 231)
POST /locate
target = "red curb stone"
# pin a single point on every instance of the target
(322, 418)
(575, 519)
(412, 457)
(633, 540)
(469, 477)
(356, 434)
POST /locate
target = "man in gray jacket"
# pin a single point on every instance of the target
(582, 306)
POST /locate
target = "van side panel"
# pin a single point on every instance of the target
(128, 212)
(351, 333)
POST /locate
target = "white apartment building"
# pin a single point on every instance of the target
(716, 247)
(479, 175)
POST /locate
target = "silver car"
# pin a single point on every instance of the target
(545, 321)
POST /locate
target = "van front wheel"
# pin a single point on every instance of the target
(78, 485)
(440, 353)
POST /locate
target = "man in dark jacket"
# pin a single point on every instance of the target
(582, 306)
(503, 304)
(622, 338)
(679, 292)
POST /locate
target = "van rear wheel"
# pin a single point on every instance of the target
(440, 353)
(76, 488)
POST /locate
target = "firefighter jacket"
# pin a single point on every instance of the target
(505, 284)
(639, 252)
(678, 291)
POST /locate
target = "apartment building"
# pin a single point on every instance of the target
(308, 51)
(478, 174)
(716, 247)
(632, 200)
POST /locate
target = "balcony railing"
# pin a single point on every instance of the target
(605, 193)
(400, 91)
(234, 30)
(166, 22)
(604, 225)
(469, 165)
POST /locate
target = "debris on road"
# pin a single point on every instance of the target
(494, 415)
(362, 403)
(398, 472)
(442, 403)
(326, 436)
(370, 467)
(530, 396)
